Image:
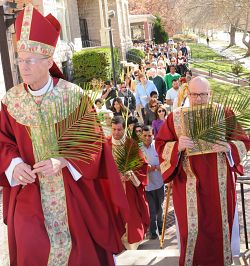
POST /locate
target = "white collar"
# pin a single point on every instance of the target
(46, 88)
(120, 141)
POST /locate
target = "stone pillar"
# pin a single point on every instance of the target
(146, 31)
(73, 15)
(104, 31)
(90, 10)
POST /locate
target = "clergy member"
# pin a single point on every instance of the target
(134, 185)
(59, 211)
(204, 194)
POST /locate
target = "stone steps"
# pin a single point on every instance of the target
(163, 257)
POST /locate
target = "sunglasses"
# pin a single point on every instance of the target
(153, 106)
(160, 111)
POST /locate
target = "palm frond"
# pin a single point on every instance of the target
(127, 156)
(69, 128)
(219, 119)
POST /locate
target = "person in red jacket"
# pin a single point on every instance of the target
(52, 207)
(134, 183)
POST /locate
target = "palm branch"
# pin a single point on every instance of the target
(222, 118)
(69, 128)
(127, 156)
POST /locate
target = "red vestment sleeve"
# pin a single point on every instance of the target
(8, 145)
(166, 144)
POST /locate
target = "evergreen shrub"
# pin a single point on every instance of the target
(135, 55)
(94, 63)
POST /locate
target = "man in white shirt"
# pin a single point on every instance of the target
(172, 94)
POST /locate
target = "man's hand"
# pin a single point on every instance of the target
(50, 167)
(221, 147)
(124, 178)
(23, 174)
(151, 168)
(184, 143)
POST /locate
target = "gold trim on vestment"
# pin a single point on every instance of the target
(168, 148)
(222, 180)
(166, 155)
(178, 122)
(241, 148)
(22, 107)
(192, 212)
(54, 206)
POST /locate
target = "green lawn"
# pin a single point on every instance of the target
(221, 86)
(201, 51)
(206, 59)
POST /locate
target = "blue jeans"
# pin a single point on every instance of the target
(155, 200)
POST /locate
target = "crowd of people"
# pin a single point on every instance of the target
(69, 211)
(149, 92)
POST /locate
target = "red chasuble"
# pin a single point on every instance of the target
(139, 220)
(204, 195)
(58, 221)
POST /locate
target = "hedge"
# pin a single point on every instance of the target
(135, 55)
(94, 63)
(185, 37)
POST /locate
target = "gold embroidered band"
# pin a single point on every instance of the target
(35, 47)
(192, 214)
(241, 149)
(222, 179)
(27, 20)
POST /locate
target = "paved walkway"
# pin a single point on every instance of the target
(150, 254)
(219, 47)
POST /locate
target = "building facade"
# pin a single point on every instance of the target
(85, 23)
(142, 27)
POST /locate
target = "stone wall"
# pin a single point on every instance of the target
(89, 10)
(120, 25)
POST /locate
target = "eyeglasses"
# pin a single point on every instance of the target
(195, 95)
(160, 111)
(29, 61)
(153, 106)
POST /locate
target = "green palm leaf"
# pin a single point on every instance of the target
(219, 119)
(127, 156)
(70, 127)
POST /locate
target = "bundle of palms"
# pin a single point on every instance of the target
(226, 116)
(127, 155)
(69, 128)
